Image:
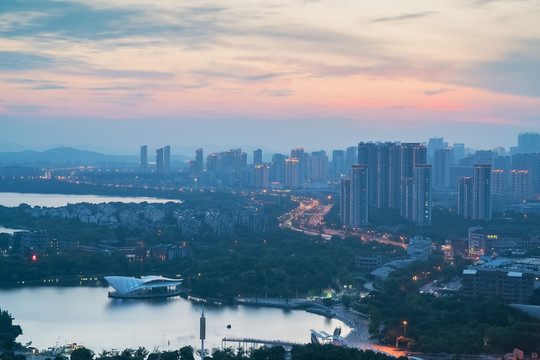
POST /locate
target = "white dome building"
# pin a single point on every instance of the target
(150, 286)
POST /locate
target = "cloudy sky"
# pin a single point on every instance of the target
(273, 74)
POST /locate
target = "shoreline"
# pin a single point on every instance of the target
(358, 334)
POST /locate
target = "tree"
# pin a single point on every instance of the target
(268, 353)
(8, 331)
(82, 354)
(186, 353)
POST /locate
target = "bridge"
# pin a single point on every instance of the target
(247, 343)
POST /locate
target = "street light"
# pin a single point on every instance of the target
(405, 330)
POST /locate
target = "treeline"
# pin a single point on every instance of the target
(300, 352)
(446, 323)
(278, 263)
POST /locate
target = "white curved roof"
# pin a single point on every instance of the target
(125, 284)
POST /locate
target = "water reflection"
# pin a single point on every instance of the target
(86, 315)
(57, 200)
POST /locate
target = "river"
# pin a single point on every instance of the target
(49, 315)
(57, 200)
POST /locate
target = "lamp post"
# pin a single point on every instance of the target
(405, 329)
(202, 331)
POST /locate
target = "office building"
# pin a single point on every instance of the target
(489, 242)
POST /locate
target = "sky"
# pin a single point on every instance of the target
(114, 75)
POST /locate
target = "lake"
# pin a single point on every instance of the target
(57, 200)
(85, 315)
(4, 230)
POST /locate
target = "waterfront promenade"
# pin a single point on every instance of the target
(358, 336)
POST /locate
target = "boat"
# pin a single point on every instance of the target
(147, 287)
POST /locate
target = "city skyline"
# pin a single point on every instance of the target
(277, 75)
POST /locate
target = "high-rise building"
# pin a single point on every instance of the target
(337, 165)
(292, 173)
(503, 163)
(261, 176)
(434, 144)
(459, 152)
(301, 156)
(345, 203)
(412, 155)
(228, 168)
(144, 157)
(498, 183)
(318, 166)
(199, 165)
(277, 171)
(159, 161)
(483, 157)
(422, 195)
(528, 143)
(351, 158)
(482, 205)
(167, 159)
(359, 195)
(384, 161)
(257, 157)
(368, 155)
(465, 197)
(212, 165)
(530, 163)
(520, 181)
(442, 161)
(395, 176)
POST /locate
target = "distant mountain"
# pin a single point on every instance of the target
(63, 155)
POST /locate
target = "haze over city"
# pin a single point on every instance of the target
(276, 75)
